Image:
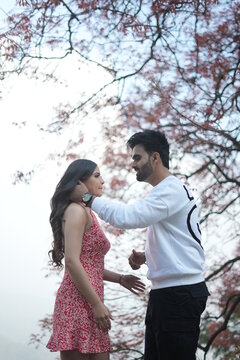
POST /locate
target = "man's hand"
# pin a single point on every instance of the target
(136, 259)
(78, 192)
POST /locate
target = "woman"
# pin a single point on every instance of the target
(81, 320)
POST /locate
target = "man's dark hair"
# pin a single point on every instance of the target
(152, 141)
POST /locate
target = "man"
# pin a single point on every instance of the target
(173, 251)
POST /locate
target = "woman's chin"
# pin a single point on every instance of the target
(98, 194)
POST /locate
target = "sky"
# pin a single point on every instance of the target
(26, 295)
(25, 234)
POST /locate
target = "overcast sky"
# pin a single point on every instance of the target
(26, 295)
(25, 235)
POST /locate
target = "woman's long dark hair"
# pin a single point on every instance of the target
(80, 169)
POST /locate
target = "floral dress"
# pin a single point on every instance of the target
(74, 326)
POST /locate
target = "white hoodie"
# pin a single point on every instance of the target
(173, 248)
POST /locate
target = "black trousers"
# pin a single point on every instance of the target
(172, 322)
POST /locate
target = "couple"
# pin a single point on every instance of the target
(173, 254)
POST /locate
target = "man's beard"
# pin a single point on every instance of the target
(144, 172)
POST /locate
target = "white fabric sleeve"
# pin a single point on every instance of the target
(140, 214)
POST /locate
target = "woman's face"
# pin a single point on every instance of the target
(95, 183)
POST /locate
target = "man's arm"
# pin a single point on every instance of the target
(140, 214)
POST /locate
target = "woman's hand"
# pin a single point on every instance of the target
(132, 283)
(102, 316)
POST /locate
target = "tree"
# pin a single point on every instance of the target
(222, 330)
(174, 65)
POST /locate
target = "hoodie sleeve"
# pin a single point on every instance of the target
(140, 214)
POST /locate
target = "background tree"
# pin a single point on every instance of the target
(174, 65)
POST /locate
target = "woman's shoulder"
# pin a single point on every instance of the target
(75, 210)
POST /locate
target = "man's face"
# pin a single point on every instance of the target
(141, 163)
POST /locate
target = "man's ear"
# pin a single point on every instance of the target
(156, 156)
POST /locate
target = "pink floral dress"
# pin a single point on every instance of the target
(74, 326)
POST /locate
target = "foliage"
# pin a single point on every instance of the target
(222, 328)
(174, 65)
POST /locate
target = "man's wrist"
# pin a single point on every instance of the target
(89, 204)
